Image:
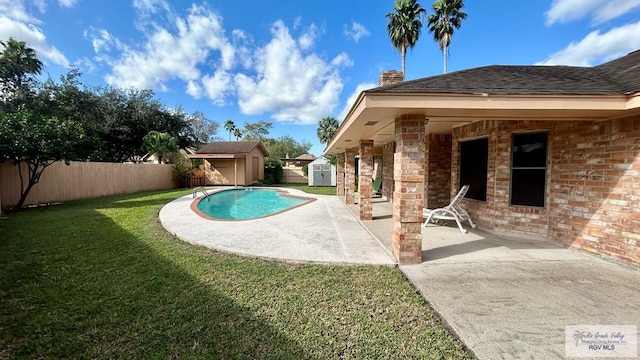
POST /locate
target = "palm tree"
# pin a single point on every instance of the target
(160, 143)
(17, 63)
(404, 26)
(230, 127)
(326, 129)
(447, 17)
(237, 133)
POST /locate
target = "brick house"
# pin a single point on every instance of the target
(548, 151)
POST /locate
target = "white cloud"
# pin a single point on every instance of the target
(102, 40)
(356, 31)
(173, 53)
(67, 3)
(353, 97)
(33, 37)
(307, 39)
(601, 11)
(218, 87)
(292, 85)
(194, 89)
(15, 10)
(598, 47)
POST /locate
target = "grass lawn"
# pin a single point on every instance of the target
(102, 279)
(318, 190)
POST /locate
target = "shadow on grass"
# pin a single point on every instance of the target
(76, 284)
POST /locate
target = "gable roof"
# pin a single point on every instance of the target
(620, 76)
(232, 147)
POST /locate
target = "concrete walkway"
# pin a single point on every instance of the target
(322, 231)
(506, 298)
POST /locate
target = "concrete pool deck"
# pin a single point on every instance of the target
(323, 231)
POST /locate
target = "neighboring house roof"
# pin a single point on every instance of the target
(620, 76)
(308, 157)
(231, 148)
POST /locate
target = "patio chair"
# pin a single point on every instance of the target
(453, 211)
(376, 186)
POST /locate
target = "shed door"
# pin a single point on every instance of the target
(322, 174)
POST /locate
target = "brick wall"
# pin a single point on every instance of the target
(595, 187)
(365, 183)
(437, 170)
(593, 184)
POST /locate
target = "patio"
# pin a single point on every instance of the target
(510, 298)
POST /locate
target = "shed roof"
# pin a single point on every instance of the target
(231, 147)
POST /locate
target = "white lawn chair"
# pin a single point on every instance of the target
(453, 211)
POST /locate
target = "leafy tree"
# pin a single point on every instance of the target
(447, 17)
(230, 127)
(257, 131)
(201, 130)
(160, 144)
(327, 129)
(126, 116)
(404, 26)
(280, 147)
(182, 167)
(38, 141)
(237, 133)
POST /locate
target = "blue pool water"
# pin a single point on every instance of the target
(245, 204)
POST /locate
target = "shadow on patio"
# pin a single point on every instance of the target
(446, 244)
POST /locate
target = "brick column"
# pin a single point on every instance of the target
(365, 184)
(408, 175)
(349, 176)
(387, 170)
(340, 175)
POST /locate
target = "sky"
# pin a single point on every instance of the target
(294, 62)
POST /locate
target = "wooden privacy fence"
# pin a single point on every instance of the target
(83, 180)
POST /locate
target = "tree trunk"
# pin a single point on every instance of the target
(444, 55)
(403, 54)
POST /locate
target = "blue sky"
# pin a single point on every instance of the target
(295, 62)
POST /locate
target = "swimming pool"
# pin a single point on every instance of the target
(246, 204)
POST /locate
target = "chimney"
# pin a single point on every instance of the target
(390, 77)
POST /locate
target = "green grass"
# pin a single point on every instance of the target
(102, 279)
(318, 190)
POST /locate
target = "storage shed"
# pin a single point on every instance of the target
(322, 173)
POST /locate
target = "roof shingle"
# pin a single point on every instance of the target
(229, 147)
(620, 76)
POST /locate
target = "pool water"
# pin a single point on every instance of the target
(245, 204)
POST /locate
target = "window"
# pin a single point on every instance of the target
(528, 169)
(474, 155)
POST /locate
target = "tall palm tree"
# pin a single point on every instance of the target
(326, 129)
(17, 63)
(404, 26)
(230, 127)
(237, 133)
(447, 17)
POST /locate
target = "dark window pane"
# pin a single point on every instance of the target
(474, 155)
(527, 187)
(530, 150)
